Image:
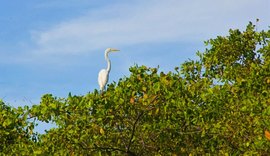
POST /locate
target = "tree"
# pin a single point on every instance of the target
(218, 104)
(16, 133)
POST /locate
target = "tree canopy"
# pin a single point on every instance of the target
(218, 104)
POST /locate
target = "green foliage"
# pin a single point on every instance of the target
(16, 133)
(218, 105)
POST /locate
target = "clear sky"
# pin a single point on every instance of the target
(57, 46)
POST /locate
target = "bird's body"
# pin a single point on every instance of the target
(103, 75)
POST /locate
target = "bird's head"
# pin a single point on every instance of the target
(111, 50)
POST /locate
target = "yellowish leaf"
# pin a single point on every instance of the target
(144, 88)
(101, 131)
(157, 110)
(145, 96)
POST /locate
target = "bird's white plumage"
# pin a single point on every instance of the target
(103, 77)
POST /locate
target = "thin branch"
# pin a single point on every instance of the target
(103, 148)
(114, 149)
(108, 148)
(133, 130)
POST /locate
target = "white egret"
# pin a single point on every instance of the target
(103, 75)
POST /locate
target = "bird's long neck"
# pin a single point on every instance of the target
(108, 62)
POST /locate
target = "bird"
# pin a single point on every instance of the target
(103, 75)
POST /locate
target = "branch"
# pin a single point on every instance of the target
(133, 130)
(108, 148)
(103, 148)
(114, 149)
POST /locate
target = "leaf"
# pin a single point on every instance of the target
(101, 131)
(132, 101)
(7, 123)
(145, 96)
(38, 152)
(157, 110)
(144, 89)
(267, 134)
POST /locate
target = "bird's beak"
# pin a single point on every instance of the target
(112, 49)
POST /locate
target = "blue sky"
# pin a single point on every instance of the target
(57, 46)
